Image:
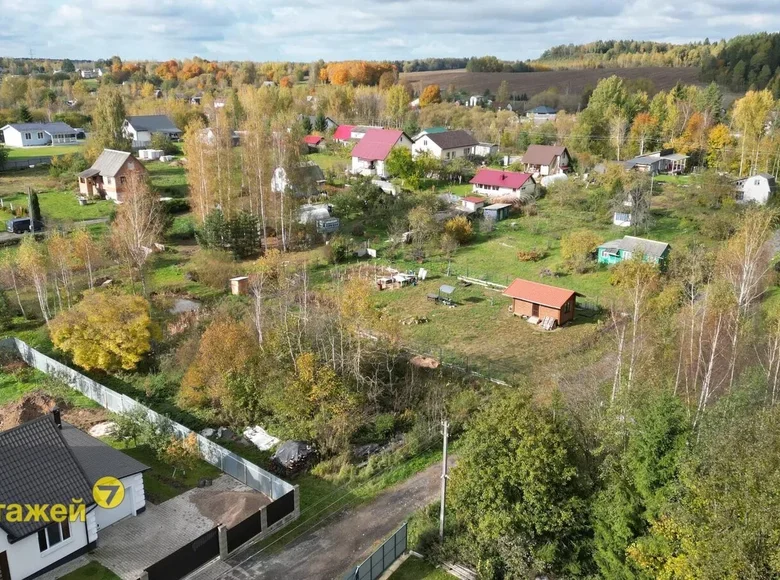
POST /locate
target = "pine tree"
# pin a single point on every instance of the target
(34, 208)
(23, 115)
(306, 124)
(320, 123)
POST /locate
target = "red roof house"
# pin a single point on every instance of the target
(313, 140)
(540, 300)
(498, 183)
(370, 153)
(343, 133)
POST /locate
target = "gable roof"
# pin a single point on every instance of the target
(55, 127)
(543, 110)
(377, 144)
(537, 293)
(38, 468)
(343, 132)
(153, 124)
(107, 164)
(313, 139)
(542, 154)
(633, 244)
(474, 199)
(451, 139)
(499, 178)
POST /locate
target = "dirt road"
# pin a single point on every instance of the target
(341, 543)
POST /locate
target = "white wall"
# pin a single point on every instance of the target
(14, 138)
(528, 188)
(425, 144)
(134, 500)
(25, 557)
(756, 189)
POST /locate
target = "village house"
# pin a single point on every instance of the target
(665, 161)
(38, 134)
(429, 131)
(343, 134)
(445, 145)
(546, 159)
(616, 251)
(141, 128)
(496, 183)
(308, 180)
(485, 149)
(209, 136)
(110, 175)
(537, 301)
(370, 154)
(330, 124)
(541, 114)
(49, 462)
(314, 143)
(472, 202)
(359, 131)
(756, 188)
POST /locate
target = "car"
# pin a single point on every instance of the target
(22, 225)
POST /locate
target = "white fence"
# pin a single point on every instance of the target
(227, 461)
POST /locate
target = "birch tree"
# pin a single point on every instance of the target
(33, 262)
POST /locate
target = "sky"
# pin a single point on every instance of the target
(306, 30)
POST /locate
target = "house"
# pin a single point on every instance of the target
(38, 134)
(359, 131)
(497, 211)
(47, 463)
(343, 134)
(503, 184)
(110, 175)
(330, 124)
(615, 251)
(371, 152)
(665, 161)
(546, 159)
(314, 143)
(319, 215)
(542, 114)
(485, 149)
(141, 128)
(429, 131)
(472, 203)
(209, 136)
(445, 145)
(90, 74)
(478, 101)
(538, 301)
(306, 183)
(756, 188)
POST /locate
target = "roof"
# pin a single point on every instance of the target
(542, 154)
(313, 139)
(650, 248)
(543, 110)
(499, 178)
(452, 139)
(675, 157)
(432, 130)
(537, 293)
(38, 468)
(107, 164)
(98, 459)
(343, 132)
(55, 127)
(446, 288)
(153, 124)
(474, 199)
(497, 206)
(377, 144)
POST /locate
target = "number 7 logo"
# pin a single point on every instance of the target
(108, 492)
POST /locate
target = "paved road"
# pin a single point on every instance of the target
(341, 543)
(6, 237)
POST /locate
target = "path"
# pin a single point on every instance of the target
(330, 550)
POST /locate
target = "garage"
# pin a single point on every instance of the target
(105, 517)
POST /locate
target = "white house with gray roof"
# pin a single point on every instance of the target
(757, 188)
(141, 128)
(38, 134)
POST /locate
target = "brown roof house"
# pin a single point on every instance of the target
(546, 159)
(110, 175)
(537, 301)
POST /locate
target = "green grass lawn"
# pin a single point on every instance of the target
(60, 206)
(159, 482)
(91, 571)
(416, 569)
(328, 160)
(25, 152)
(17, 381)
(170, 181)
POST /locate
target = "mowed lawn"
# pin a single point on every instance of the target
(169, 180)
(59, 206)
(49, 150)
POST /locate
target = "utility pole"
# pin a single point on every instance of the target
(445, 425)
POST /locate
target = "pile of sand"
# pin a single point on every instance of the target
(228, 507)
(39, 403)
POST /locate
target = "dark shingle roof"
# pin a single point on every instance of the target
(56, 127)
(452, 139)
(153, 124)
(98, 459)
(38, 467)
(542, 154)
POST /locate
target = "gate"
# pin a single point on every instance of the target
(187, 558)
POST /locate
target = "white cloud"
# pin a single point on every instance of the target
(372, 29)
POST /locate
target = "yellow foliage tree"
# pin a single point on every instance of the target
(105, 331)
(182, 453)
(459, 228)
(577, 247)
(430, 95)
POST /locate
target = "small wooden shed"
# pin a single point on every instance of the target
(532, 299)
(497, 211)
(239, 286)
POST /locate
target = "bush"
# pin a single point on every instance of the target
(358, 230)
(577, 249)
(459, 228)
(68, 164)
(384, 425)
(337, 250)
(176, 206)
(532, 255)
(214, 268)
(164, 143)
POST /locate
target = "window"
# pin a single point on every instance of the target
(108, 179)
(40, 134)
(122, 179)
(27, 136)
(466, 151)
(425, 142)
(756, 182)
(52, 535)
(566, 307)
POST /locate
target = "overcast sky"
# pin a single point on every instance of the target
(304, 30)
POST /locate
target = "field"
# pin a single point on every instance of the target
(567, 81)
(25, 152)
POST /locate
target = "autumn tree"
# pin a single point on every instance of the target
(397, 102)
(502, 94)
(577, 249)
(137, 227)
(33, 262)
(750, 116)
(182, 453)
(105, 331)
(199, 175)
(459, 228)
(719, 140)
(108, 118)
(430, 95)
(86, 252)
(643, 130)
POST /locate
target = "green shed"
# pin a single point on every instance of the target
(616, 251)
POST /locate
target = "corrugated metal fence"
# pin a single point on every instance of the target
(244, 471)
(375, 565)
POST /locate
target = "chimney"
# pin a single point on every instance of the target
(57, 419)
